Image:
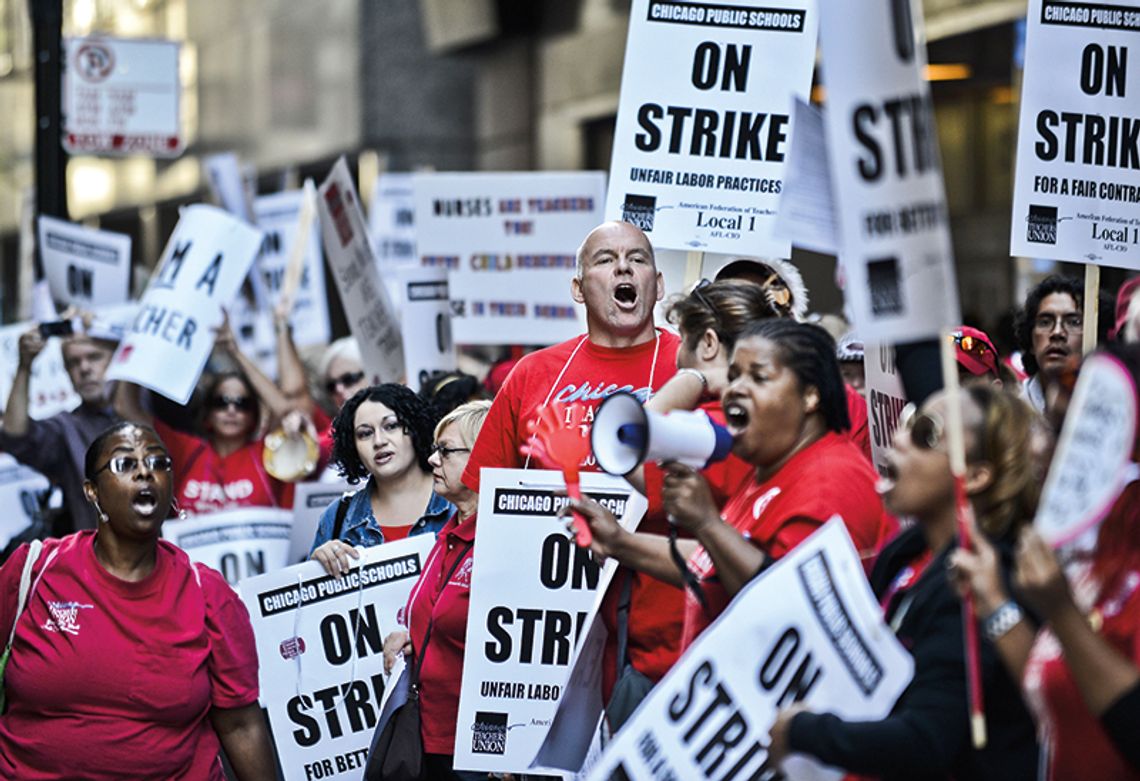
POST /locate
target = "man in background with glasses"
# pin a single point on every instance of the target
(55, 446)
(1049, 330)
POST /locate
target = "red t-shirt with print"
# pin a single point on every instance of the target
(829, 477)
(445, 606)
(579, 375)
(114, 678)
(205, 482)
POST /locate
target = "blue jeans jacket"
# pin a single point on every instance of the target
(360, 525)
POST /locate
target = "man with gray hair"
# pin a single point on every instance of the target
(56, 446)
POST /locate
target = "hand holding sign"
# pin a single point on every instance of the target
(554, 442)
(1091, 465)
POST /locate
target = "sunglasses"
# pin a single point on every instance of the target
(346, 380)
(444, 452)
(121, 465)
(925, 428)
(973, 346)
(240, 403)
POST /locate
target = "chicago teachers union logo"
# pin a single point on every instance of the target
(1042, 227)
(639, 210)
(489, 735)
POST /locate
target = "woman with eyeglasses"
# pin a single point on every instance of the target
(1080, 665)
(441, 597)
(224, 468)
(786, 408)
(381, 435)
(128, 661)
(927, 734)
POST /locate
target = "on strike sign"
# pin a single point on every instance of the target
(705, 120)
(1077, 192)
(120, 96)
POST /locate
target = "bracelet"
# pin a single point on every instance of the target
(999, 622)
(698, 374)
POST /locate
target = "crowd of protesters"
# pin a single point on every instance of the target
(1060, 646)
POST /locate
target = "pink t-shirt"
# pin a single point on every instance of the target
(115, 678)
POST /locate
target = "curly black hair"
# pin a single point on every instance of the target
(809, 351)
(1023, 326)
(416, 416)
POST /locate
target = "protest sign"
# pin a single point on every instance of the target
(807, 629)
(49, 389)
(367, 305)
(85, 267)
(704, 122)
(510, 241)
(806, 215)
(309, 501)
(203, 265)
(21, 492)
(886, 176)
(531, 591)
(885, 398)
(278, 216)
(392, 222)
(223, 175)
(320, 653)
(1076, 194)
(237, 543)
(1093, 460)
(528, 307)
(426, 316)
(121, 96)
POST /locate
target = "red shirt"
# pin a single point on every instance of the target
(445, 605)
(657, 609)
(116, 679)
(1075, 745)
(205, 482)
(585, 374)
(829, 477)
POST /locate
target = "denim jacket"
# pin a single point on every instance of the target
(360, 525)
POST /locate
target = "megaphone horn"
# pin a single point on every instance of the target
(626, 435)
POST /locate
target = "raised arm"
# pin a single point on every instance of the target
(271, 396)
(16, 418)
(128, 403)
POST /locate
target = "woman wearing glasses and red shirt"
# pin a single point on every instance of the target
(222, 469)
(128, 661)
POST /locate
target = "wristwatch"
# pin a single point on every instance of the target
(999, 622)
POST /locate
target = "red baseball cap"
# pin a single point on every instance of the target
(976, 352)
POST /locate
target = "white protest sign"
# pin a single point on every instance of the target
(369, 310)
(806, 215)
(237, 543)
(392, 221)
(426, 316)
(277, 215)
(204, 263)
(1093, 460)
(704, 122)
(807, 629)
(49, 389)
(320, 653)
(83, 266)
(527, 307)
(223, 174)
(1076, 195)
(20, 490)
(502, 222)
(309, 501)
(893, 223)
(531, 592)
(121, 96)
(885, 399)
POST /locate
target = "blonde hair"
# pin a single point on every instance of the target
(468, 418)
(1005, 440)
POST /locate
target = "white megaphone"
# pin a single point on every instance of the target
(626, 435)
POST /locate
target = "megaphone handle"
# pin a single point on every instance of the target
(582, 534)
